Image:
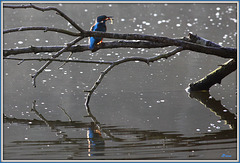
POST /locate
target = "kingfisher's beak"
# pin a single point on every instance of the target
(110, 18)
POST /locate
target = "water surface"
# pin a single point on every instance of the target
(138, 112)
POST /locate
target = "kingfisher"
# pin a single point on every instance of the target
(98, 26)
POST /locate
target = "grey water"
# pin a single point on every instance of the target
(139, 111)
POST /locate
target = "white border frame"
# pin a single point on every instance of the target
(238, 40)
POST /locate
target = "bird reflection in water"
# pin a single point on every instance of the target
(96, 142)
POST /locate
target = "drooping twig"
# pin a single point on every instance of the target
(128, 59)
(54, 56)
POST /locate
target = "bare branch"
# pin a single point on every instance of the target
(81, 48)
(45, 29)
(218, 51)
(47, 9)
(141, 59)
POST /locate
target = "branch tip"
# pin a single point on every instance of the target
(21, 62)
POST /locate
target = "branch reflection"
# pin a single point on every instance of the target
(215, 106)
(101, 139)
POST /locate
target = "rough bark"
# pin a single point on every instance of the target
(214, 77)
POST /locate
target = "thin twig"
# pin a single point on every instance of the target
(60, 60)
(45, 29)
(71, 53)
(69, 118)
(54, 56)
(47, 9)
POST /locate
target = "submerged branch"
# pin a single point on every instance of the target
(214, 77)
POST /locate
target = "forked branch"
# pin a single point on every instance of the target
(54, 56)
(59, 12)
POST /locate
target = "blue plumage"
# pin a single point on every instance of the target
(98, 26)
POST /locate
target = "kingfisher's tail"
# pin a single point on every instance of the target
(91, 43)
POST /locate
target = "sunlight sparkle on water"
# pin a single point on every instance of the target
(160, 101)
(47, 70)
(20, 42)
(234, 20)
